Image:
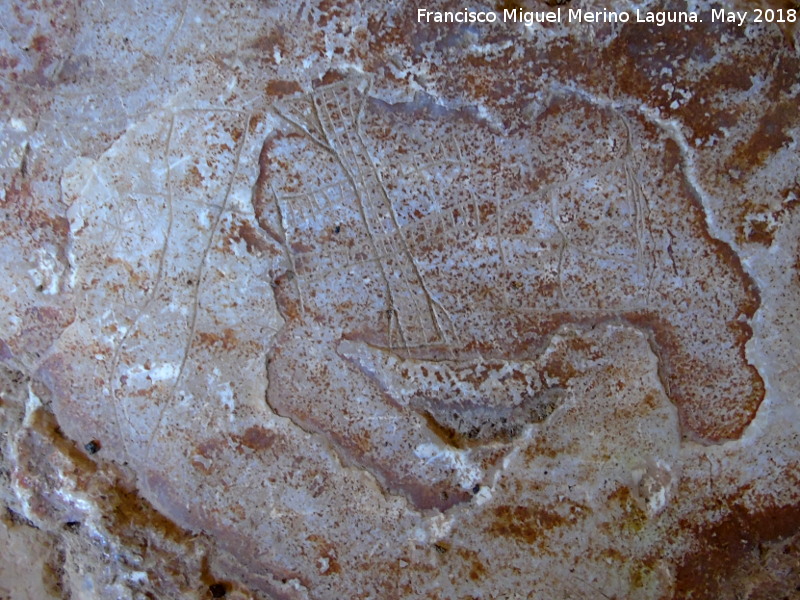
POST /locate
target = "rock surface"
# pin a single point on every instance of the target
(320, 301)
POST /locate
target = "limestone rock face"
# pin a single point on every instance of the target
(331, 300)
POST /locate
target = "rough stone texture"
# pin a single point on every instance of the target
(315, 301)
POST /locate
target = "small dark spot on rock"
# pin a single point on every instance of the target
(440, 548)
(337, 229)
(39, 288)
(476, 488)
(92, 447)
(72, 525)
(218, 590)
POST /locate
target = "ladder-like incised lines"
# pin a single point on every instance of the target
(636, 193)
(362, 168)
(282, 231)
(643, 215)
(441, 335)
(337, 113)
(333, 141)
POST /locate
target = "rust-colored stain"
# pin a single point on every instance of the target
(727, 548)
(773, 133)
(258, 438)
(227, 340)
(529, 524)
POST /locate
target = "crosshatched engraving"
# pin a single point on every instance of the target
(421, 246)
